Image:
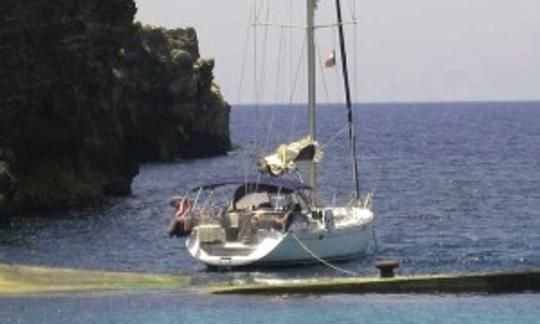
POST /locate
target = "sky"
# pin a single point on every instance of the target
(399, 50)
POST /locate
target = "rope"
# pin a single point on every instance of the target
(262, 83)
(252, 19)
(333, 138)
(321, 260)
(256, 91)
(280, 59)
(259, 80)
(280, 65)
(323, 76)
(244, 55)
(375, 241)
(294, 85)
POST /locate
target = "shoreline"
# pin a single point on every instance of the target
(22, 280)
(19, 280)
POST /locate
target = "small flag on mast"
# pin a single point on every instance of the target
(330, 60)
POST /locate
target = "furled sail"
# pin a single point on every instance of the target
(283, 160)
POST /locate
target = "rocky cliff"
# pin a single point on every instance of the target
(180, 110)
(85, 94)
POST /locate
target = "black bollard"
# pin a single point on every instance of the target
(386, 268)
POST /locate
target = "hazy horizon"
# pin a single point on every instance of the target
(422, 51)
(427, 102)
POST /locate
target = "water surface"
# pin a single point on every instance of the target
(456, 189)
(164, 307)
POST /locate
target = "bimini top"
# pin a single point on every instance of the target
(260, 181)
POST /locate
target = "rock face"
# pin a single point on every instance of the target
(85, 94)
(180, 110)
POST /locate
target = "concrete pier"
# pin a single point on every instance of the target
(502, 282)
(29, 280)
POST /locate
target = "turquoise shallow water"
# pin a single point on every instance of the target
(171, 307)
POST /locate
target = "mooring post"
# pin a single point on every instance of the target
(387, 267)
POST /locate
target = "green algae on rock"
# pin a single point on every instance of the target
(29, 279)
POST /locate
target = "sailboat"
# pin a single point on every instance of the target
(272, 218)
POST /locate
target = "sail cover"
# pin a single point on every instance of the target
(283, 160)
(261, 181)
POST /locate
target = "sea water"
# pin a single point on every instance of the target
(456, 188)
(160, 307)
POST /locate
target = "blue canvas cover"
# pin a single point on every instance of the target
(284, 184)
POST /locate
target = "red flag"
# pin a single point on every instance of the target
(330, 60)
(183, 208)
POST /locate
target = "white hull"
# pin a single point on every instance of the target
(335, 245)
(350, 238)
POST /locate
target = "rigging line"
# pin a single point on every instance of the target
(251, 157)
(375, 239)
(295, 82)
(334, 42)
(262, 72)
(336, 70)
(280, 58)
(224, 197)
(321, 2)
(290, 34)
(352, 10)
(333, 25)
(336, 135)
(323, 75)
(244, 56)
(276, 94)
(260, 86)
(207, 202)
(270, 24)
(197, 197)
(256, 94)
(376, 166)
(258, 11)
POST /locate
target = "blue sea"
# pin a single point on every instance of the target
(456, 188)
(162, 307)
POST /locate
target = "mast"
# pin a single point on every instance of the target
(352, 135)
(310, 17)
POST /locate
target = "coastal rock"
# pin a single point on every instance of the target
(64, 137)
(85, 94)
(180, 112)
